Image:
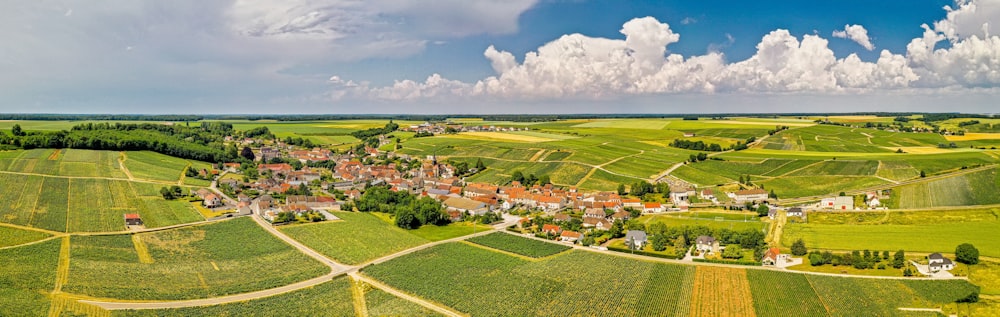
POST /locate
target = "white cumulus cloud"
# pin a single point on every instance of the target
(855, 33)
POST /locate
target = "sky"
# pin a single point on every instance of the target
(498, 56)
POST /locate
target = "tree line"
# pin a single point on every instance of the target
(410, 211)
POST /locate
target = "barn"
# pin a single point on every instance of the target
(133, 220)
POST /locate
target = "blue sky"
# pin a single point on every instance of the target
(463, 56)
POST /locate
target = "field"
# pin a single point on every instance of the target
(29, 273)
(805, 186)
(357, 238)
(486, 283)
(156, 166)
(85, 204)
(777, 293)
(191, 262)
(332, 298)
(452, 230)
(978, 188)
(13, 236)
(69, 162)
(733, 221)
(519, 245)
(714, 283)
(381, 303)
(899, 230)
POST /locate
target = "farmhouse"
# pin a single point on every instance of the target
(679, 194)
(621, 215)
(596, 213)
(635, 239)
(212, 201)
(551, 229)
(706, 244)
(773, 257)
(560, 217)
(599, 224)
(706, 194)
(838, 203)
(133, 220)
(937, 262)
(462, 204)
(795, 212)
(750, 195)
(569, 236)
(652, 207)
(632, 203)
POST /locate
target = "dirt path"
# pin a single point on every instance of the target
(180, 181)
(358, 296)
(93, 177)
(62, 272)
(444, 310)
(537, 157)
(121, 164)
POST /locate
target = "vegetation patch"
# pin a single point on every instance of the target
(381, 303)
(978, 188)
(14, 236)
(332, 298)
(721, 291)
(29, 272)
(184, 263)
(358, 238)
(778, 293)
(519, 245)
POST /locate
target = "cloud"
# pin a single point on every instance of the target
(581, 67)
(855, 33)
(689, 20)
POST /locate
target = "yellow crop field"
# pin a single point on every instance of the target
(973, 137)
(500, 136)
(721, 291)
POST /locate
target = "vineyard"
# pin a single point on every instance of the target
(358, 238)
(721, 292)
(29, 272)
(519, 245)
(384, 304)
(486, 283)
(13, 236)
(70, 162)
(778, 293)
(332, 298)
(192, 262)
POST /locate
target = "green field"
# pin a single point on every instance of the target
(486, 283)
(357, 238)
(978, 188)
(909, 231)
(332, 298)
(381, 303)
(518, 245)
(804, 186)
(159, 167)
(85, 204)
(191, 262)
(29, 273)
(68, 162)
(13, 236)
(718, 220)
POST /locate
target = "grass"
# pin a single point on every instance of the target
(518, 245)
(804, 186)
(332, 298)
(156, 166)
(909, 237)
(844, 296)
(452, 230)
(978, 188)
(358, 238)
(29, 273)
(481, 282)
(191, 262)
(13, 236)
(778, 293)
(709, 219)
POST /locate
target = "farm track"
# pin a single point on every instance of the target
(444, 310)
(94, 177)
(798, 200)
(180, 181)
(121, 164)
(358, 296)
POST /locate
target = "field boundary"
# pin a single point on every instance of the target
(358, 296)
(441, 308)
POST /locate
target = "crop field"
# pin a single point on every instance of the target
(357, 238)
(452, 230)
(519, 245)
(504, 137)
(332, 298)
(156, 166)
(734, 221)
(381, 303)
(948, 235)
(777, 293)
(186, 263)
(978, 188)
(698, 176)
(13, 236)
(841, 167)
(69, 162)
(897, 170)
(486, 283)
(29, 272)
(721, 291)
(649, 124)
(844, 296)
(805, 186)
(601, 180)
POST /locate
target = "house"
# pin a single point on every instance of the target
(455, 215)
(212, 201)
(937, 262)
(772, 257)
(771, 213)
(750, 195)
(596, 223)
(652, 207)
(597, 213)
(706, 244)
(133, 220)
(874, 202)
(569, 236)
(463, 204)
(706, 194)
(635, 239)
(551, 229)
(632, 203)
(282, 168)
(795, 212)
(679, 194)
(621, 215)
(838, 203)
(560, 217)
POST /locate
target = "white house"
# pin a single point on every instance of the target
(837, 203)
(635, 239)
(750, 195)
(795, 212)
(706, 244)
(874, 202)
(937, 262)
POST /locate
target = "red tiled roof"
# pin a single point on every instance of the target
(131, 216)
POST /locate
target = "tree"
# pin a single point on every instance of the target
(762, 210)
(899, 259)
(517, 176)
(659, 242)
(772, 195)
(732, 251)
(544, 180)
(680, 244)
(799, 248)
(479, 164)
(967, 253)
(907, 272)
(166, 193)
(621, 189)
(922, 174)
(16, 130)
